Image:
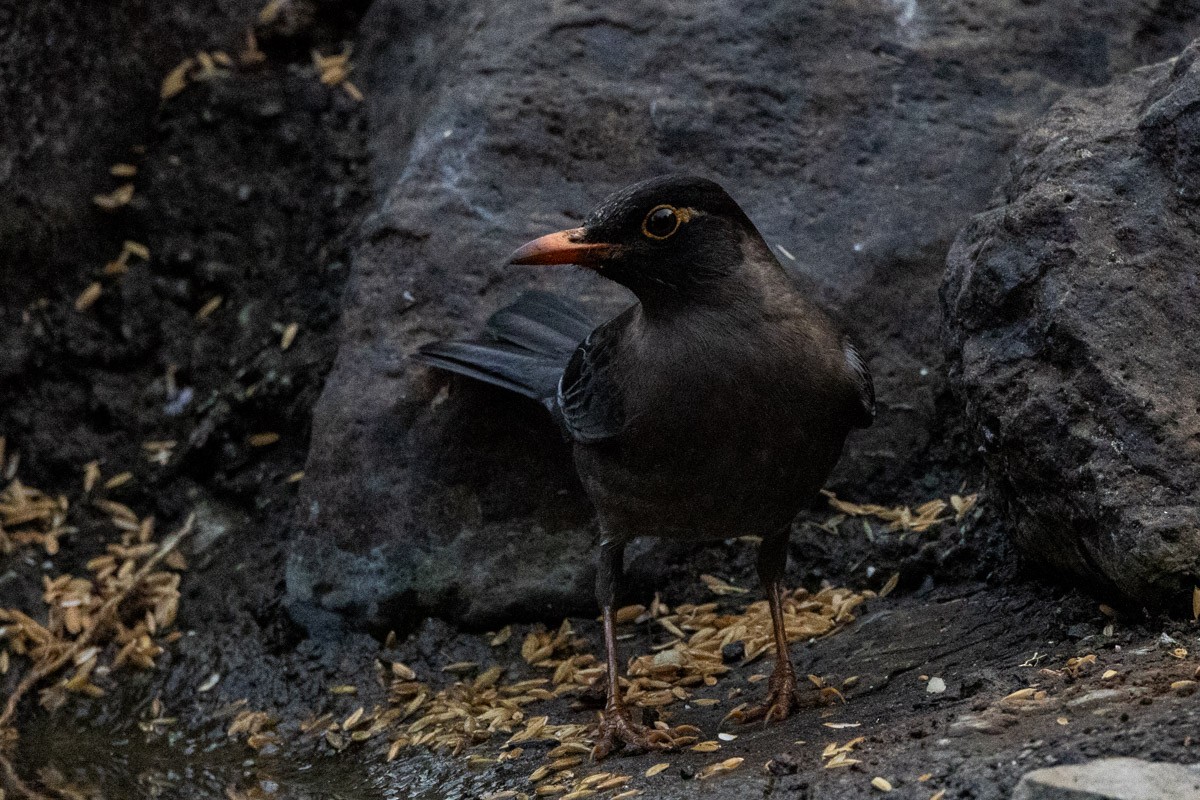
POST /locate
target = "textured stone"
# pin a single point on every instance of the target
(1071, 310)
(859, 135)
(1111, 779)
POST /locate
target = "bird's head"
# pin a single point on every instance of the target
(664, 239)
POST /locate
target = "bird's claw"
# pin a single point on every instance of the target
(778, 707)
(617, 729)
(783, 700)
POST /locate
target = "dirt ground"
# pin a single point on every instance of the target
(250, 188)
(995, 650)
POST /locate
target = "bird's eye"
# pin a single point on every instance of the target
(661, 222)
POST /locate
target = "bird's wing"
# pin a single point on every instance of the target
(589, 399)
(862, 383)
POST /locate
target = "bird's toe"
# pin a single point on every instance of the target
(619, 731)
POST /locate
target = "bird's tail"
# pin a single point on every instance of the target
(525, 346)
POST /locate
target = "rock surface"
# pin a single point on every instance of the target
(859, 135)
(1111, 779)
(1071, 309)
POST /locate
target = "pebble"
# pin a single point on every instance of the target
(1111, 779)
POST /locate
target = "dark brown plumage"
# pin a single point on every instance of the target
(714, 407)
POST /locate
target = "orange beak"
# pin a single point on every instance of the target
(564, 247)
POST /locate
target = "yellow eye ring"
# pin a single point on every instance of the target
(659, 225)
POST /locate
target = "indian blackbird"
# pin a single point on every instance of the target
(713, 407)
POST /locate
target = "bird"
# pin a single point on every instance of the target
(714, 406)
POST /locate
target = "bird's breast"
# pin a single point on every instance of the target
(723, 436)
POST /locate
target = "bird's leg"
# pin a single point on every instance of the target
(617, 728)
(782, 699)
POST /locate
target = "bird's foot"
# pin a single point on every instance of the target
(783, 700)
(617, 729)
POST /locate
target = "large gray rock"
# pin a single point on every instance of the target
(1072, 316)
(1111, 779)
(859, 135)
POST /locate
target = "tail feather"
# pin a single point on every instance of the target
(541, 322)
(506, 366)
(527, 347)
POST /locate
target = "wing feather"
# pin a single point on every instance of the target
(589, 399)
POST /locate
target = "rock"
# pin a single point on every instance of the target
(1071, 316)
(859, 136)
(1112, 699)
(783, 764)
(990, 722)
(1111, 779)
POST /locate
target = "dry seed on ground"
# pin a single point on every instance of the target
(289, 335)
(176, 80)
(88, 297)
(117, 481)
(209, 307)
(627, 614)
(728, 765)
(720, 587)
(115, 199)
(468, 713)
(332, 69)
